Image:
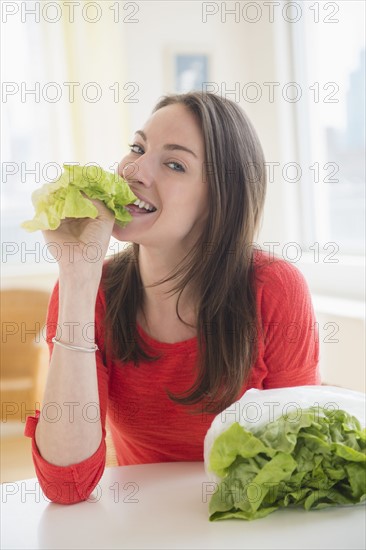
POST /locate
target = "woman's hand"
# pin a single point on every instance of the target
(79, 245)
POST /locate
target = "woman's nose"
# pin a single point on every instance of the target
(134, 171)
(129, 171)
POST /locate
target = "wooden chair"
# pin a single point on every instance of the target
(23, 350)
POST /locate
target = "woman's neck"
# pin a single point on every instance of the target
(155, 266)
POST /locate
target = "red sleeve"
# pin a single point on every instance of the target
(74, 483)
(290, 335)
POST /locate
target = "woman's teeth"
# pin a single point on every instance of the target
(146, 205)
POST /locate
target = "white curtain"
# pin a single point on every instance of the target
(62, 102)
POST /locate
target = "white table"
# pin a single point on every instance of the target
(164, 506)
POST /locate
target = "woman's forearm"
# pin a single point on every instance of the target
(69, 428)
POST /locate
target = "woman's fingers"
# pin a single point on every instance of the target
(81, 234)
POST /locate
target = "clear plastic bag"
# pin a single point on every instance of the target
(259, 407)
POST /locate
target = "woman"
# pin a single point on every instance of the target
(187, 318)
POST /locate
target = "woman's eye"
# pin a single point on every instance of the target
(178, 167)
(135, 148)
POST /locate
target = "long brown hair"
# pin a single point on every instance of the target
(219, 267)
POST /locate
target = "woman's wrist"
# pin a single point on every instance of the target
(80, 279)
(76, 317)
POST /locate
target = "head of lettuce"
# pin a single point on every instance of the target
(65, 197)
(264, 457)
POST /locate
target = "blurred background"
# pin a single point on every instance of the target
(78, 78)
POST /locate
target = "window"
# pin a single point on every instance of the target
(329, 63)
(54, 112)
(32, 128)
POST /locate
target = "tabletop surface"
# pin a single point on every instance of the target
(164, 506)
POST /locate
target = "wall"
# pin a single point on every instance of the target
(240, 53)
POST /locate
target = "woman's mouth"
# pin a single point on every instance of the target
(140, 207)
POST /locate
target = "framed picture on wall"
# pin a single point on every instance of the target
(190, 72)
(186, 69)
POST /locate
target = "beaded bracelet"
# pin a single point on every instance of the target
(74, 348)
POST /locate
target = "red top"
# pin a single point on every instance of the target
(146, 426)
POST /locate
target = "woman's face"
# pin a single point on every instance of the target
(165, 169)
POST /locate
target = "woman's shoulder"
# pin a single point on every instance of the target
(282, 292)
(274, 271)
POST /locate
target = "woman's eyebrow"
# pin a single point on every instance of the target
(169, 146)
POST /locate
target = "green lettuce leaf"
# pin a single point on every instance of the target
(63, 198)
(312, 458)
